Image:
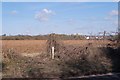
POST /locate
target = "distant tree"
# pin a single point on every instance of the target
(118, 36)
(4, 35)
(118, 32)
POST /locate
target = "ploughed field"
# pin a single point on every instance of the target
(21, 46)
(33, 46)
(29, 58)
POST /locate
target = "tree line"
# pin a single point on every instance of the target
(42, 37)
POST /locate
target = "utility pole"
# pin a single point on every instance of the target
(104, 34)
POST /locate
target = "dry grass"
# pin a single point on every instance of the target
(84, 42)
(36, 46)
(71, 60)
(24, 46)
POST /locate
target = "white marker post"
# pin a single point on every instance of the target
(53, 54)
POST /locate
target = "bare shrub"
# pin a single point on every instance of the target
(53, 42)
(85, 60)
(15, 65)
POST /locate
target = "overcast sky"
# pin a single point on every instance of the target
(59, 17)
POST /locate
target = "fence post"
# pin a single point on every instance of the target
(53, 54)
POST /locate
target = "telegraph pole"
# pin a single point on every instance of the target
(104, 34)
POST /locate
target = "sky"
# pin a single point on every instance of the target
(36, 18)
(0, 18)
(60, 0)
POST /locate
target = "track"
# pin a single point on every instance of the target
(109, 76)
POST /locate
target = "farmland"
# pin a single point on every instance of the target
(31, 46)
(28, 46)
(29, 58)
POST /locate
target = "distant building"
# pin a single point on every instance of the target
(87, 37)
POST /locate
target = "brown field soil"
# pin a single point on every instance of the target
(24, 46)
(30, 46)
(85, 42)
(72, 60)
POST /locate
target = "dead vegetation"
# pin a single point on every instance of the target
(70, 60)
(53, 42)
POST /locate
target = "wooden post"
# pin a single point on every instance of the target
(53, 54)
